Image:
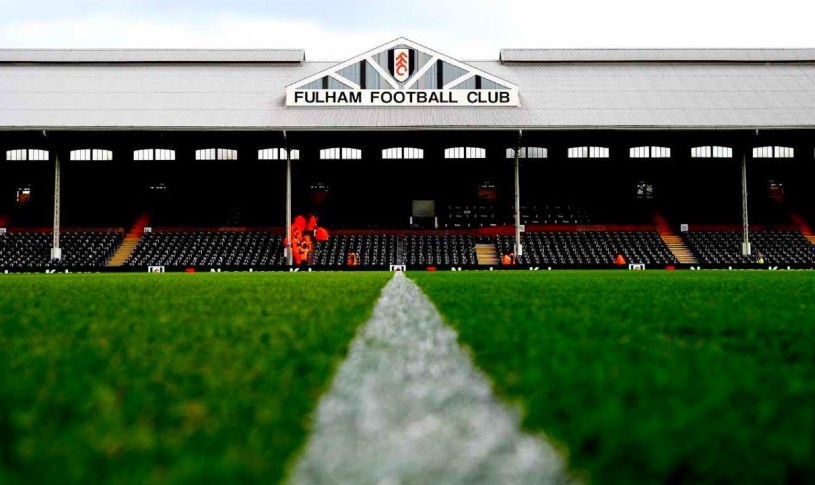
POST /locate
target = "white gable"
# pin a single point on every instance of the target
(402, 73)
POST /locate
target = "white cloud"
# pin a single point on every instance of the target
(650, 24)
(222, 31)
(474, 31)
(215, 31)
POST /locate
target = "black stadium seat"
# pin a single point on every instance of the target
(440, 250)
(588, 248)
(724, 247)
(382, 250)
(20, 250)
(208, 248)
(373, 250)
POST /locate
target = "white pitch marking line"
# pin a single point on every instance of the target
(408, 406)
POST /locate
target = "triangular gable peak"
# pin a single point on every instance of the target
(402, 73)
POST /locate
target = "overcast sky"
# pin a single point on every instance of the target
(477, 29)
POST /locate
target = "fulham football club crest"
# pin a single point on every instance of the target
(401, 64)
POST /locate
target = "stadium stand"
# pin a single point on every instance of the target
(387, 173)
(213, 248)
(589, 248)
(724, 247)
(376, 250)
(452, 250)
(79, 249)
(373, 250)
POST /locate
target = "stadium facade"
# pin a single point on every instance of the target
(401, 132)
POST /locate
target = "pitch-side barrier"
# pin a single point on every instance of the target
(293, 269)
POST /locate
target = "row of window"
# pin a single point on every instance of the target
(588, 152)
(147, 154)
(343, 153)
(29, 154)
(399, 153)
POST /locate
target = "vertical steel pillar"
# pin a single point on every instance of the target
(518, 247)
(288, 250)
(56, 251)
(745, 245)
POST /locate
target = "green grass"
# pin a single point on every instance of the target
(173, 378)
(651, 377)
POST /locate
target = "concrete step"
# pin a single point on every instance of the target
(676, 245)
(485, 254)
(678, 248)
(123, 252)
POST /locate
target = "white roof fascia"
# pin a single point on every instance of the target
(459, 80)
(421, 72)
(343, 80)
(382, 72)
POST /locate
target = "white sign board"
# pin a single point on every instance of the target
(401, 73)
(155, 269)
(402, 97)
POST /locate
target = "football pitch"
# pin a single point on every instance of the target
(635, 377)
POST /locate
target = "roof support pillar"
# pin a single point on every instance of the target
(56, 251)
(745, 245)
(287, 250)
(518, 247)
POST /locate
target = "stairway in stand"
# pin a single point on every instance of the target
(674, 242)
(130, 242)
(401, 244)
(485, 254)
(805, 228)
(123, 252)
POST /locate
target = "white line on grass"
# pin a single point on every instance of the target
(408, 406)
